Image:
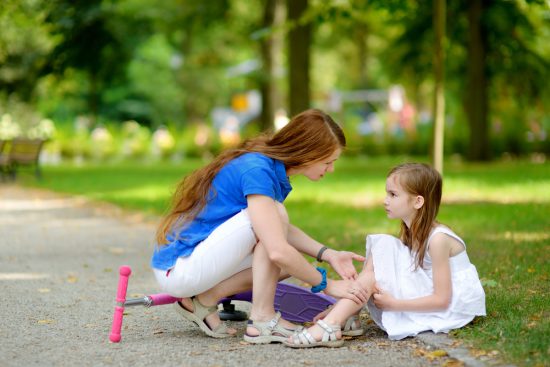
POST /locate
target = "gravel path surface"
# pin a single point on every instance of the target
(59, 259)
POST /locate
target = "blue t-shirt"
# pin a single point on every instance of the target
(251, 173)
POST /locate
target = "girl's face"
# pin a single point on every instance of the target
(317, 170)
(398, 203)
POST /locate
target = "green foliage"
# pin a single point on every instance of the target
(25, 41)
(166, 63)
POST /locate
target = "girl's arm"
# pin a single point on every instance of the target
(272, 232)
(439, 250)
(341, 261)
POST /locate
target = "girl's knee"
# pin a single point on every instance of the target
(367, 279)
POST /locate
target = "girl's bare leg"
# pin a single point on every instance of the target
(345, 308)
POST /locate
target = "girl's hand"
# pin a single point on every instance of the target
(349, 289)
(384, 301)
(342, 263)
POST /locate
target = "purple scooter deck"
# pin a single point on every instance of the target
(296, 304)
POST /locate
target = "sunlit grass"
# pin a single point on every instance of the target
(500, 209)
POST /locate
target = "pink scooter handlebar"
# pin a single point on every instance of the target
(124, 274)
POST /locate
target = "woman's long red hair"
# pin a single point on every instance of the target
(309, 137)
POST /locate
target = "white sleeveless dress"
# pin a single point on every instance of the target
(394, 272)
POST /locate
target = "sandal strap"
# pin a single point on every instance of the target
(271, 327)
(221, 328)
(350, 322)
(329, 330)
(200, 310)
(272, 324)
(304, 337)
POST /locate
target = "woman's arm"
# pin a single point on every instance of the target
(440, 249)
(341, 261)
(270, 230)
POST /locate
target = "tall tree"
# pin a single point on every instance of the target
(87, 44)
(492, 47)
(24, 45)
(299, 41)
(270, 45)
(439, 17)
(477, 99)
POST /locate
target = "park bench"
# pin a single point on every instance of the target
(18, 153)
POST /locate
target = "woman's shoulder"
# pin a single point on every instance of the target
(253, 159)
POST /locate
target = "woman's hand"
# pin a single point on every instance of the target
(342, 262)
(349, 289)
(384, 301)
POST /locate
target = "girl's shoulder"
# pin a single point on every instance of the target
(443, 236)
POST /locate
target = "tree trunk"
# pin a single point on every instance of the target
(274, 13)
(439, 15)
(299, 40)
(361, 40)
(476, 98)
(93, 97)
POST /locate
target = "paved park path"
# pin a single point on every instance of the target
(59, 259)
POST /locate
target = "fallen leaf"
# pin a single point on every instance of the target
(478, 352)
(436, 354)
(72, 279)
(45, 321)
(453, 363)
(116, 250)
(43, 290)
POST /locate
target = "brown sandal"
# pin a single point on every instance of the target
(198, 315)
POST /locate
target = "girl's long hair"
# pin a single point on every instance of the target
(419, 179)
(309, 137)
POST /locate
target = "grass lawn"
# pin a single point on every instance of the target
(501, 210)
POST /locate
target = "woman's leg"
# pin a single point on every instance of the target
(266, 276)
(220, 266)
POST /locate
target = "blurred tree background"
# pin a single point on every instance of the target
(106, 78)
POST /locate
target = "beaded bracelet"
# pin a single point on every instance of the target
(321, 286)
(320, 253)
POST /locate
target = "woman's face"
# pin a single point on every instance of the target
(317, 170)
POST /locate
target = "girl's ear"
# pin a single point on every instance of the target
(418, 202)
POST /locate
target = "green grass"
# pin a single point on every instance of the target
(502, 210)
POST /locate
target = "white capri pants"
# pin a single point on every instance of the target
(227, 251)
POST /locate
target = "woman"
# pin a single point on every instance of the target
(228, 230)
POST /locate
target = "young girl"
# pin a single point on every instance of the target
(422, 281)
(228, 230)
